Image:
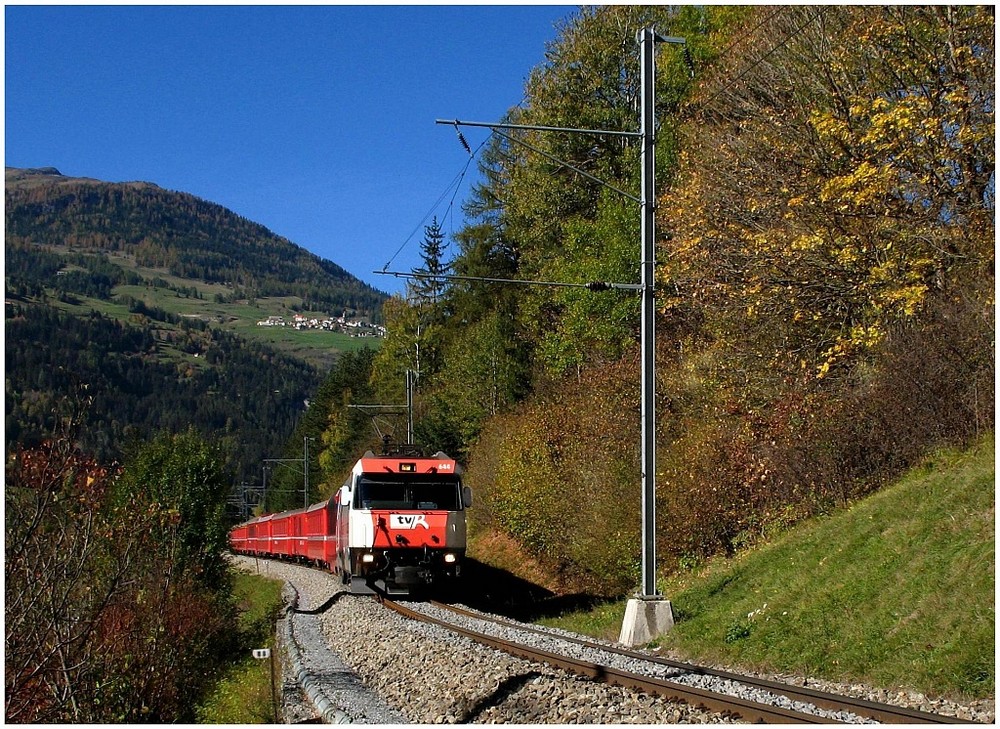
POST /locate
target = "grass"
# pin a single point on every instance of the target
(318, 348)
(897, 590)
(243, 695)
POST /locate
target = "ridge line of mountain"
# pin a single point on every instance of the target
(189, 236)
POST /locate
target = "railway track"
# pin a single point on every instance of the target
(773, 702)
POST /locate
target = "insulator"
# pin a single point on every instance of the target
(689, 61)
(461, 138)
(598, 286)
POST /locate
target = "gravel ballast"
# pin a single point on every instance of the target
(367, 664)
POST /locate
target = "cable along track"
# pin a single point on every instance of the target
(778, 703)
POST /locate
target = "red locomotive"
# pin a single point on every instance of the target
(395, 526)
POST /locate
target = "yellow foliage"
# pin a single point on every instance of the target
(817, 227)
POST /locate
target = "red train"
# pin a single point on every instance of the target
(395, 526)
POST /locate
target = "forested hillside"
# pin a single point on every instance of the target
(106, 373)
(825, 287)
(134, 309)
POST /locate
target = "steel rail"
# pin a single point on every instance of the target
(730, 705)
(885, 713)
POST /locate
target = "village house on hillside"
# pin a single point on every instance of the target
(342, 324)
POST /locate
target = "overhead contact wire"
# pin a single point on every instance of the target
(455, 183)
(591, 286)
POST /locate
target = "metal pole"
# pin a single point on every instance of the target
(305, 472)
(264, 497)
(409, 406)
(647, 38)
(536, 128)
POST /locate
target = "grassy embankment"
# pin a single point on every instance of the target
(896, 591)
(243, 695)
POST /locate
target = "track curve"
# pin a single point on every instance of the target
(825, 707)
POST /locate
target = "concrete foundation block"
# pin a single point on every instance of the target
(646, 618)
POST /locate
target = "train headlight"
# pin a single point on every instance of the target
(368, 558)
(450, 558)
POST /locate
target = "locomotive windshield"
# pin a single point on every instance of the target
(408, 491)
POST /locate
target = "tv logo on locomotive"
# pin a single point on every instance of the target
(407, 521)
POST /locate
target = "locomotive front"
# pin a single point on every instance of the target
(401, 523)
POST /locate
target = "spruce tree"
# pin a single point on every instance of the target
(429, 288)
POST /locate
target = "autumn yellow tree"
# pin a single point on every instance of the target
(838, 171)
(830, 264)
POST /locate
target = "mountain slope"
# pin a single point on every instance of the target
(188, 237)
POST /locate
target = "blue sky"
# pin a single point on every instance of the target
(315, 121)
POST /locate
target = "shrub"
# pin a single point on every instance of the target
(565, 485)
(114, 606)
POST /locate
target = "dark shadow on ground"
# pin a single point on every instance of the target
(497, 591)
(506, 688)
(322, 608)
